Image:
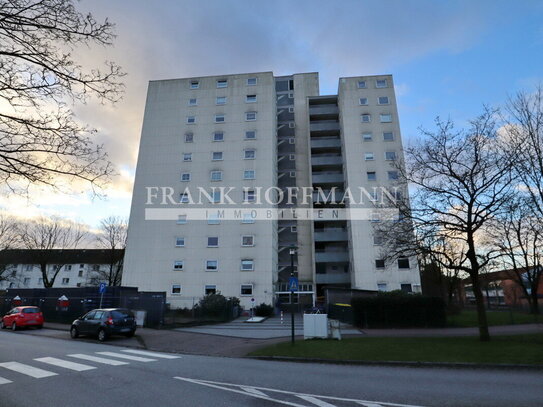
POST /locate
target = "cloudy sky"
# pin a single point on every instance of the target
(447, 58)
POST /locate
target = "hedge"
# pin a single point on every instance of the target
(398, 310)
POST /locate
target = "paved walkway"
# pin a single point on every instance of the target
(269, 329)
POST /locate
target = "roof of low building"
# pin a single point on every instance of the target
(61, 256)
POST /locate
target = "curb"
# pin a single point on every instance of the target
(454, 365)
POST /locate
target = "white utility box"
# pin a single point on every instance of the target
(315, 326)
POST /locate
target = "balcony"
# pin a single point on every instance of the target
(331, 126)
(324, 111)
(343, 278)
(331, 235)
(331, 257)
(326, 143)
(326, 161)
(325, 178)
(327, 196)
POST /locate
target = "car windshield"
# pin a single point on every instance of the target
(123, 313)
(31, 310)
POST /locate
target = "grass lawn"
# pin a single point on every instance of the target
(518, 349)
(468, 318)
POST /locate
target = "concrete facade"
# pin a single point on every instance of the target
(198, 133)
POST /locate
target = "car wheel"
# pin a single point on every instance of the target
(14, 326)
(39, 326)
(102, 335)
(74, 333)
(130, 334)
(2, 326)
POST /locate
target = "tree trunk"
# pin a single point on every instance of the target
(534, 304)
(484, 335)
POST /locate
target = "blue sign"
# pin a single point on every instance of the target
(293, 284)
(102, 288)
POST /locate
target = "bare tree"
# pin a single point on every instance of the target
(460, 181)
(45, 236)
(40, 140)
(518, 234)
(112, 237)
(9, 239)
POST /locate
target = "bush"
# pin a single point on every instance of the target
(213, 305)
(264, 310)
(398, 310)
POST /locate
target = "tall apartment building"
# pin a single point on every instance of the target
(252, 133)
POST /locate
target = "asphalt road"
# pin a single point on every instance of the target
(44, 371)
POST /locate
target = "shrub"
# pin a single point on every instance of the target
(264, 310)
(213, 305)
(398, 310)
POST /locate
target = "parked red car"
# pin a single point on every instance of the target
(20, 317)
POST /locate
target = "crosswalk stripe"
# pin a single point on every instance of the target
(152, 354)
(315, 401)
(4, 381)
(79, 367)
(27, 370)
(98, 359)
(129, 357)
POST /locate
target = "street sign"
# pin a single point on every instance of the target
(293, 284)
(102, 288)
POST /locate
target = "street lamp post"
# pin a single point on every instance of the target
(292, 252)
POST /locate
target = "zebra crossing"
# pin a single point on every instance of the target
(79, 362)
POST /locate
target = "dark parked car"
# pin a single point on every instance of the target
(103, 323)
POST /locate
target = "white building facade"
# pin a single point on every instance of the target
(246, 139)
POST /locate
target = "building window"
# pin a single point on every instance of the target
(68, 267)
(392, 175)
(213, 241)
(292, 140)
(390, 155)
(95, 267)
(381, 83)
(220, 100)
(292, 125)
(365, 118)
(247, 265)
(246, 289)
(250, 99)
(189, 138)
(179, 242)
(368, 156)
(191, 119)
(250, 116)
(406, 288)
(403, 263)
(219, 118)
(218, 136)
(372, 176)
(185, 177)
(291, 109)
(249, 195)
(292, 157)
(247, 218)
(363, 101)
(65, 281)
(210, 289)
(367, 136)
(184, 198)
(81, 266)
(187, 156)
(385, 118)
(388, 136)
(291, 95)
(247, 240)
(294, 229)
(250, 135)
(222, 83)
(26, 281)
(381, 286)
(194, 84)
(292, 174)
(80, 273)
(213, 219)
(29, 267)
(178, 265)
(361, 84)
(377, 240)
(251, 81)
(216, 156)
(216, 196)
(249, 174)
(212, 265)
(216, 176)
(383, 100)
(176, 289)
(249, 154)
(181, 219)
(380, 263)
(193, 102)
